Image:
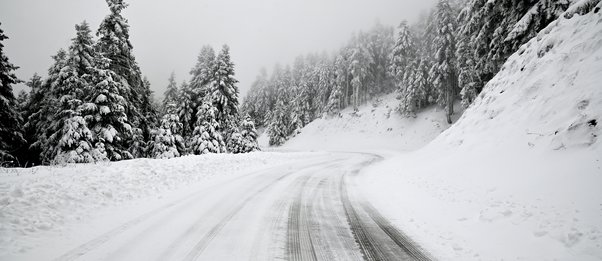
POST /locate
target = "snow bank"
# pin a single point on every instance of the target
(518, 176)
(375, 126)
(47, 199)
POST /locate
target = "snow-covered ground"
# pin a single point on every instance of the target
(518, 177)
(375, 126)
(44, 203)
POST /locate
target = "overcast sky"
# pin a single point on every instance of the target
(168, 35)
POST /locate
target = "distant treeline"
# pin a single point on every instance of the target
(446, 56)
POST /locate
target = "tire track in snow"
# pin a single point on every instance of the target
(363, 237)
(403, 241)
(299, 243)
(338, 240)
(377, 237)
(151, 229)
(202, 244)
(98, 241)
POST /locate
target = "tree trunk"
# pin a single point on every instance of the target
(450, 101)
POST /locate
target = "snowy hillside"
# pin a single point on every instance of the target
(376, 126)
(518, 176)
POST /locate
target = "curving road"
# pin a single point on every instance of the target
(306, 211)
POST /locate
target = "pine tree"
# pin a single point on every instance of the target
(42, 106)
(22, 98)
(416, 94)
(335, 99)
(539, 16)
(171, 94)
(444, 70)
(358, 68)
(257, 102)
(11, 134)
(193, 95)
(302, 93)
(403, 54)
(278, 130)
(224, 92)
(245, 140)
(105, 112)
(70, 140)
(186, 109)
(203, 73)
(114, 44)
(468, 79)
(149, 115)
(224, 95)
(325, 85)
(206, 136)
(167, 142)
(249, 135)
(283, 122)
(167, 139)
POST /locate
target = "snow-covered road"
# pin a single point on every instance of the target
(308, 210)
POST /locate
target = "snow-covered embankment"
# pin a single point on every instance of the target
(519, 176)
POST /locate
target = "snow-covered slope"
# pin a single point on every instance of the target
(519, 176)
(375, 126)
(546, 96)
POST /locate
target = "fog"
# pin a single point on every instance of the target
(168, 35)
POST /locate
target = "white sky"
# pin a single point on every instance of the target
(168, 35)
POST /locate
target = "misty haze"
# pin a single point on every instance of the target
(300, 130)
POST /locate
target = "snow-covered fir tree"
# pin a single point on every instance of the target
(249, 135)
(258, 102)
(70, 139)
(41, 105)
(325, 84)
(360, 62)
(335, 99)
(11, 134)
(416, 93)
(302, 93)
(223, 95)
(224, 92)
(167, 141)
(105, 112)
(149, 113)
(171, 94)
(403, 54)
(284, 120)
(114, 44)
(207, 137)
(186, 110)
(21, 101)
(244, 140)
(203, 73)
(444, 70)
(194, 93)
